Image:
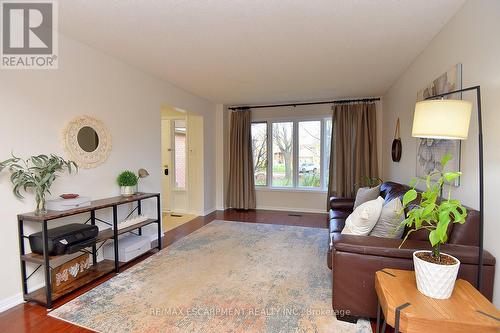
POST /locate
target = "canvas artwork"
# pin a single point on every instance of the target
(431, 151)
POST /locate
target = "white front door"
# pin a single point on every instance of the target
(166, 160)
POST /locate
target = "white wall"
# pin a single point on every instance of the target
(35, 107)
(221, 128)
(470, 38)
(279, 199)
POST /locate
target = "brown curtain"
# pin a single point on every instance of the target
(354, 147)
(241, 187)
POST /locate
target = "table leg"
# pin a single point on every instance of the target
(48, 286)
(115, 238)
(398, 316)
(22, 252)
(378, 317)
(94, 247)
(158, 217)
(139, 212)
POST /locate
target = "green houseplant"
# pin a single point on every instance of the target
(127, 180)
(435, 271)
(38, 173)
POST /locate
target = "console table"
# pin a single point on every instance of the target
(44, 295)
(407, 310)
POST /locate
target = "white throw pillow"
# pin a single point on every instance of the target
(366, 194)
(389, 220)
(364, 218)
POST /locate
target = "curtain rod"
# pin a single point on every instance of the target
(342, 101)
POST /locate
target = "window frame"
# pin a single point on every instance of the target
(295, 175)
(267, 151)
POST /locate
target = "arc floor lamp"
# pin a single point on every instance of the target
(440, 118)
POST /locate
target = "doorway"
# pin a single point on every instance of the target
(175, 168)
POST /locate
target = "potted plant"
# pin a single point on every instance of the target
(127, 180)
(37, 173)
(435, 271)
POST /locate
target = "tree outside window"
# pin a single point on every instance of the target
(282, 134)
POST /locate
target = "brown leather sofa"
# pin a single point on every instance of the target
(355, 259)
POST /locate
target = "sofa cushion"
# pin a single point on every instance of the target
(390, 219)
(391, 190)
(363, 218)
(366, 194)
(467, 233)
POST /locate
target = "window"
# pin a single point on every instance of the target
(328, 148)
(259, 148)
(310, 153)
(180, 154)
(292, 153)
(282, 154)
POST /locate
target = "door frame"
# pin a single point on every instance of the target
(173, 190)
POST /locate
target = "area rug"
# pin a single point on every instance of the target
(224, 277)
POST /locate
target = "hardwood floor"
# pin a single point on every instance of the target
(30, 317)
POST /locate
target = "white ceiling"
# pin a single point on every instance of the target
(262, 51)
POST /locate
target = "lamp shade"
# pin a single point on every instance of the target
(442, 119)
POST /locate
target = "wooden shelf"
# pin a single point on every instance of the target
(103, 236)
(96, 271)
(136, 226)
(94, 205)
(38, 258)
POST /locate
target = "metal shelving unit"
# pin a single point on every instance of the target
(44, 295)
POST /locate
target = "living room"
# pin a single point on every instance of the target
(296, 103)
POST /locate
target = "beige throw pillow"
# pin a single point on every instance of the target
(365, 194)
(390, 218)
(363, 218)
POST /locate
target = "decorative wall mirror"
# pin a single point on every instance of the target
(87, 141)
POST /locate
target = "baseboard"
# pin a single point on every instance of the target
(12, 301)
(182, 211)
(209, 211)
(293, 209)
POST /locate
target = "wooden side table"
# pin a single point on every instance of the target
(407, 310)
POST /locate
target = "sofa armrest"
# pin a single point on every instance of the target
(388, 247)
(340, 203)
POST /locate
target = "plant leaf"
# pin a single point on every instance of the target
(434, 238)
(451, 176)
(409, 197)
(446, 158)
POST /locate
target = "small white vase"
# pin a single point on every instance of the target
(127, 191)
(433, 280)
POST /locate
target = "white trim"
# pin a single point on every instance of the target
(290, 189)
(182, 211)
(293, 209)
(209, 211)
(14, 300)
(11, 302)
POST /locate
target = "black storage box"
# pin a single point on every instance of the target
(67, 239)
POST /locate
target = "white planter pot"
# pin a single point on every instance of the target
(433, 280)
(128, 191)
